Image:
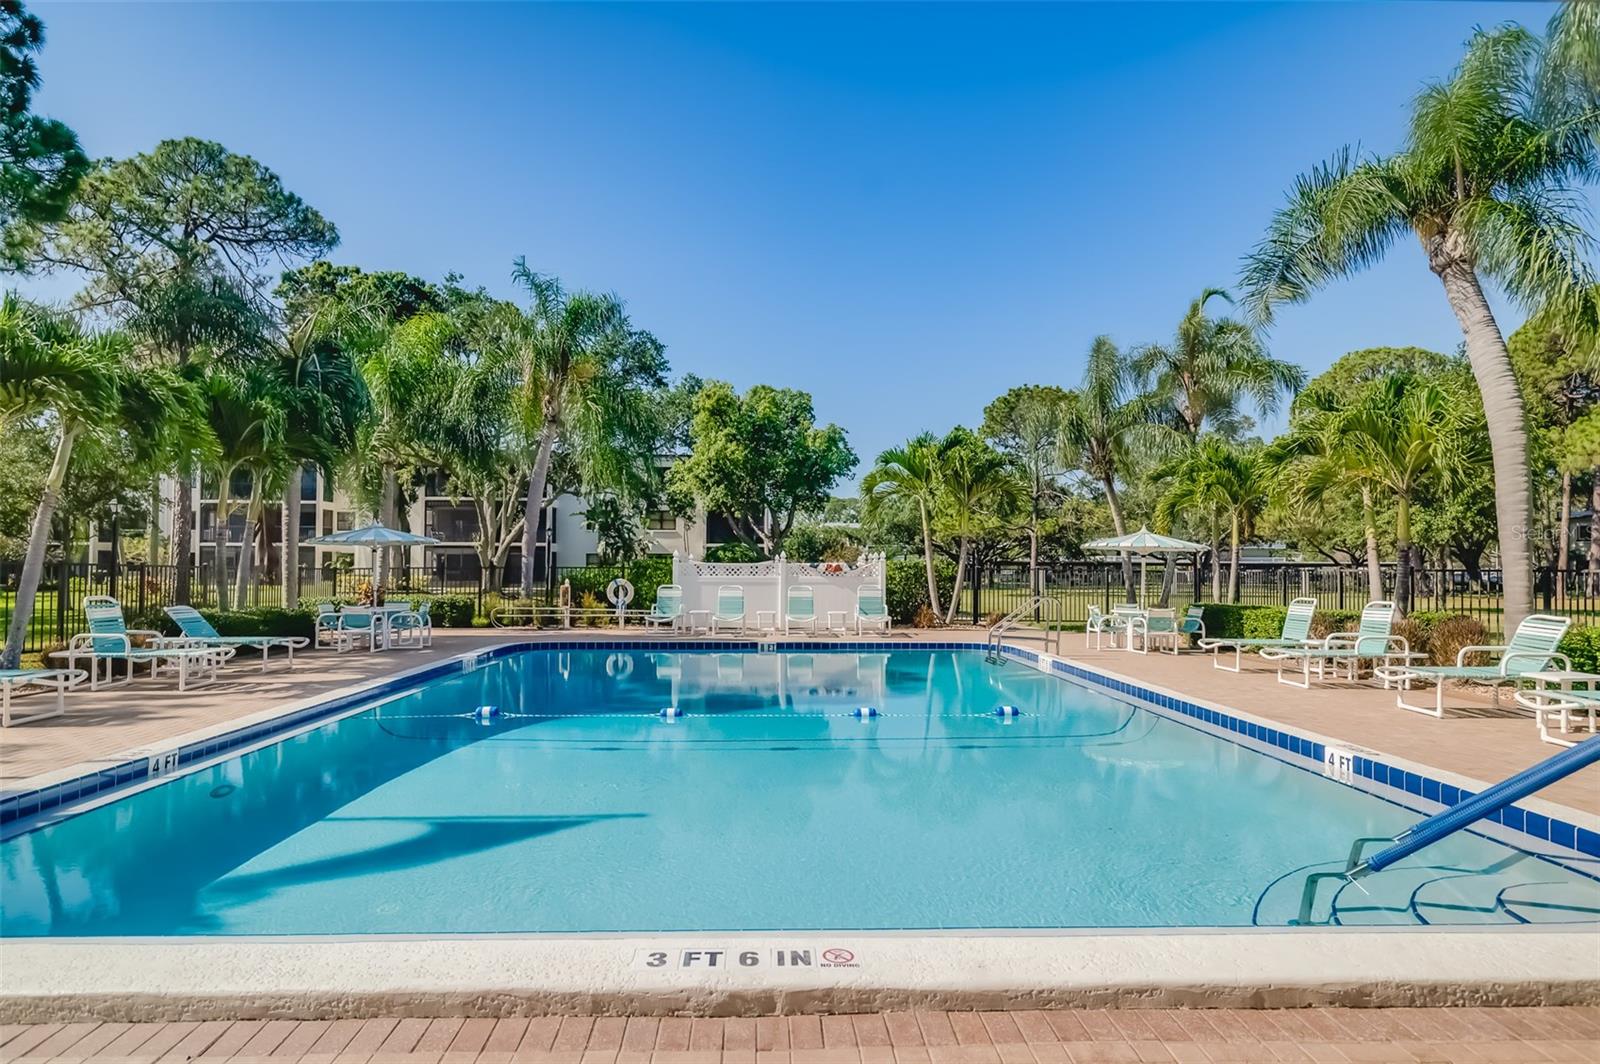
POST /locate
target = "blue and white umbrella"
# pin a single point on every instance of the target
(1145, 543)
(371, 536)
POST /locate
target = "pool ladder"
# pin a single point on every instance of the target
(1049, 609)
(1462, 815)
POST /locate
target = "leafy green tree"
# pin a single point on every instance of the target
(40, 160)
(761, 459)
(975, 487)
(1218, 478)
(909, 475)
(1482, 183)
(86, 386)
(1105, 424)
(615, 524)
(579, 374)
(174, 246)
(1025, 424)
(1211, 367)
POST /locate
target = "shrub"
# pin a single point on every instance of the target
(645, 574)
(1326, 622)
(1582, 645)
(906, 586)
(733, 552)
(925, 617)
(451, 611)
(590, 601)
(1224, 620)
(1452, 633)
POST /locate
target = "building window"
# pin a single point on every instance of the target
(452, 524)
(661, 521)
(327, 522)
(308, 483)
(345, 520)
(591, 559)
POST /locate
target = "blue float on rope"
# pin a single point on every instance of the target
(1007, 711)
(485, 712)
(865, 712)
(671, 713)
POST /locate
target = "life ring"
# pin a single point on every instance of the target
(619, 592)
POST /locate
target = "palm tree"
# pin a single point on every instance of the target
(1397, 434)
(1482, 182)
(88, 385)
(1104, 422)
(910, 473)
(246, 411)
(1211, 366)
(1314, 437)
(582, 374)
(1214, 477)
(974, 480)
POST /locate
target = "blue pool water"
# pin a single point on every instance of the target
(768, 805)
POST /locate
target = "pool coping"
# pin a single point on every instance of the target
(312, 977)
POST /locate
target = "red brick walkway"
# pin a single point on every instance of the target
(1518, 1036)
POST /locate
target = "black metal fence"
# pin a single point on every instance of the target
(1000, 589)
(990, 592)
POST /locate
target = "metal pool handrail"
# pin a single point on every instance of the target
(1050, 611)
(1431, 829)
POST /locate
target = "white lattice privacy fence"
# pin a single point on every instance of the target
(766, 584)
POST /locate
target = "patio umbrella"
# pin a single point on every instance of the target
(374, 536)
(1145, 543)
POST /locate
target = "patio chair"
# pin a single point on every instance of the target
(414, 624)
(800, 608)
(59, 680)
(667, 609)
(1194, 622)
(110, 640)
(730, 609)
(1374, 639)
(356, 624)
(1296, 633)
(1532, 649)
(327, 624)
(871, 610)
(197, 631)
(1099, 625)
(1154, 626)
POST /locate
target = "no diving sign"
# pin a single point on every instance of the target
(735, 960)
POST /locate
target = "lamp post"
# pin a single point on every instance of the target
(116, 538)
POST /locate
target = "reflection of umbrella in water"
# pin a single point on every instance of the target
(374, 536)
(1145, 543)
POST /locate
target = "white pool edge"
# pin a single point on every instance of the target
(51, 981)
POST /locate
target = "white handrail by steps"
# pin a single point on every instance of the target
(1050, 613)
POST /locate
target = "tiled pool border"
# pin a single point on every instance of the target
(136, 770)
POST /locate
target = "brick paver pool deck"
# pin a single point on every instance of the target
(1522, 1036)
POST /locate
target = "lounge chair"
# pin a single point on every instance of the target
(667, 609)
(197, 631)
(1532, 649)
(1296, 633)
(59, 680)
(1550, 705)
(109, 640)
(871, 610)
(1374, 639)
(800, 608)
(730, 609)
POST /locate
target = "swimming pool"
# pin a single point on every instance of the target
(769, 804)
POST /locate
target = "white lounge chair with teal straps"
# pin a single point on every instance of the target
(1296, 633)
(1154, 626)
(197, 631)
(109, 640)
(412, 626)
(730, 609)
(1374, 640)
(800, 609)
(58, 680)
(667, 610)
(1533, 648)
(871, 610)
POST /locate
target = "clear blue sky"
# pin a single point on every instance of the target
(904, 209)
